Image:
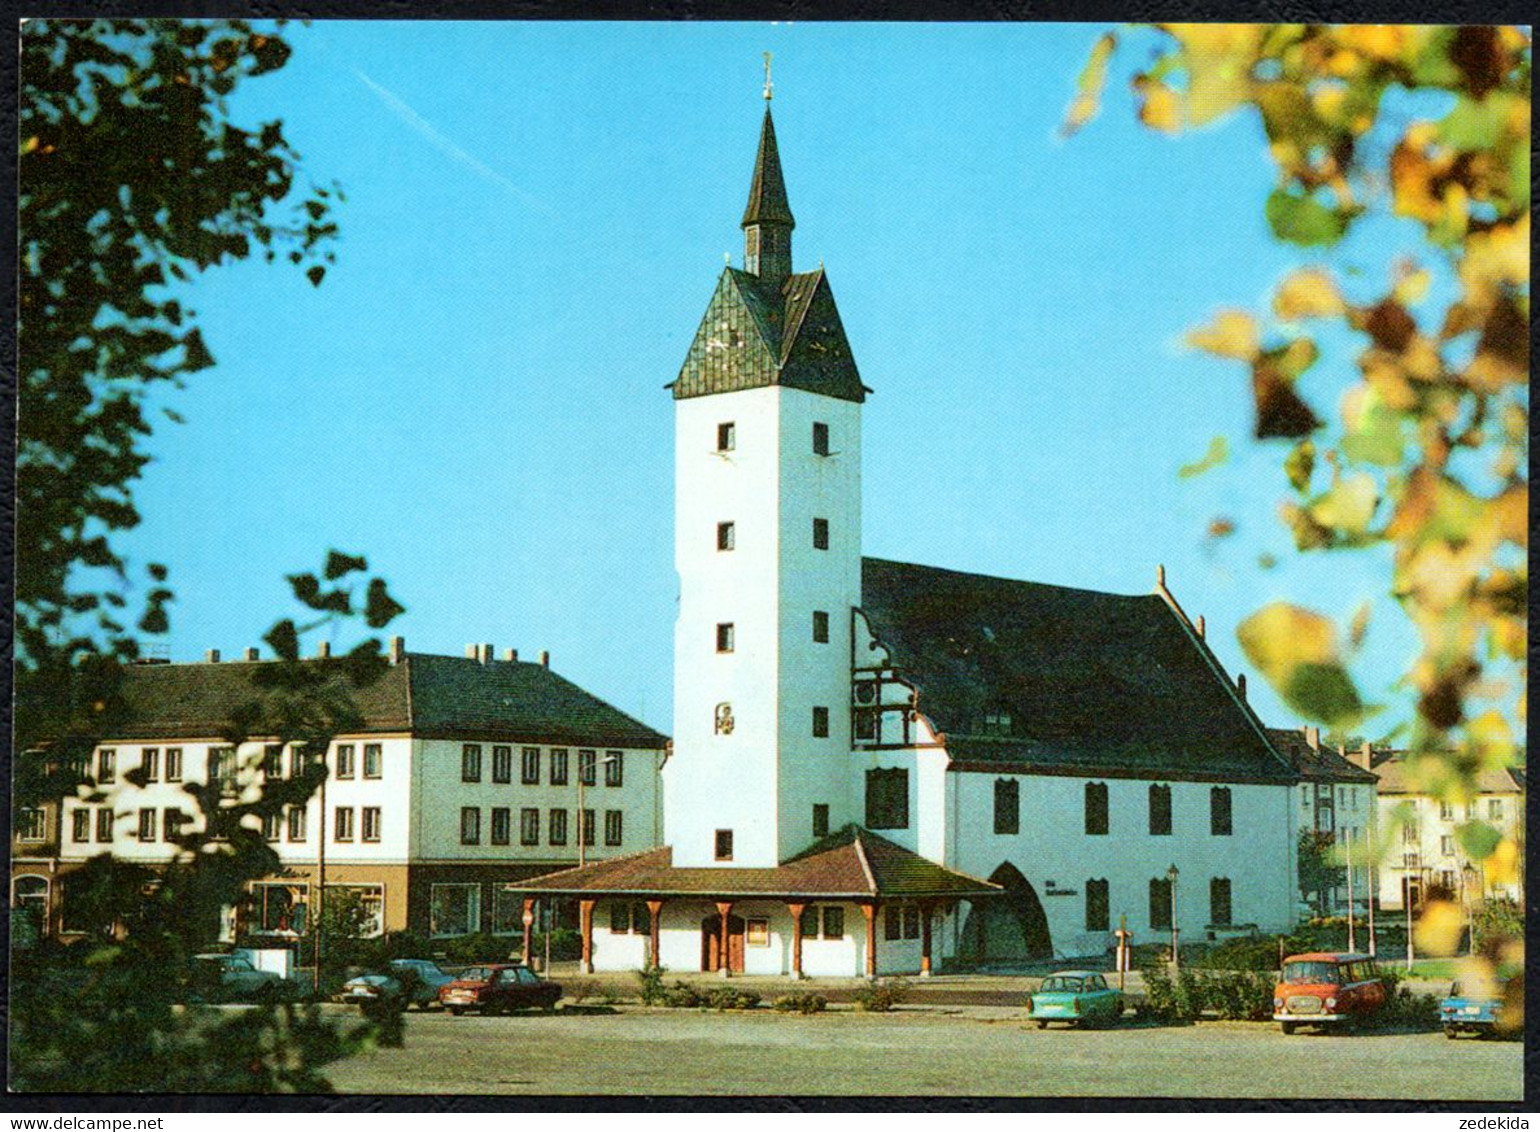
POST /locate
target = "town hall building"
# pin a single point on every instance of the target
(881, 767)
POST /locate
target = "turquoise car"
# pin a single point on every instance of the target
(1077, 997)
(1467, 1011)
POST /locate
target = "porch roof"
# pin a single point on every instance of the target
(852, 864)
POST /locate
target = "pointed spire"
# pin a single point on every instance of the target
(767, 192)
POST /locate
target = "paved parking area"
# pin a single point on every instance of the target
(931, 1050)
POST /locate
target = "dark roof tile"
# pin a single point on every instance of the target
(1093, 683)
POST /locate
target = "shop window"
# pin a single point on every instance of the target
(454, 909)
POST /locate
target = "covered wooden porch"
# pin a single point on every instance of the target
(896, 893)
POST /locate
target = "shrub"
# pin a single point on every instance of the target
(682, 994)
(652, 990)
(882, 997)
(804, 1003)
(1403, 1008)
(1233, 995)
(726, 998)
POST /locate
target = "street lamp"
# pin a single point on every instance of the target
(582, 828)
(1467, 889)
(1176, 956)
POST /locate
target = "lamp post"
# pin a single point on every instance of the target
(582, 828)
(1352, 942)
(1176, 956)
(1406, 898)
(1467, 890)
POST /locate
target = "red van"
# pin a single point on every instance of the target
(1327, 988)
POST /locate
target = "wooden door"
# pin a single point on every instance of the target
(711, 943)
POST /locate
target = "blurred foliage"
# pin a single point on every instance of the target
(133, 179)
(1426, 451)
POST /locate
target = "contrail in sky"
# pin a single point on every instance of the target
(427, 129)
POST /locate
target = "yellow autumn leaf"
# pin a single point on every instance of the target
(1219, 58)
(1160, 109)
(1310, 293)
(1502, 867)
(1495, 257)
(1378, 41)
(1232, 334)
(1439, 928)
(1488, 738)
(1348, 505)
(1412, 286)
(1089, 86)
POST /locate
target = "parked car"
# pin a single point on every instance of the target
(1471, 1012)
(1077, 997)
(1327, 988)
(497, 987)
(232, 978)
(400, 984)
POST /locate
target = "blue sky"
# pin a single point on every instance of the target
(535, 218)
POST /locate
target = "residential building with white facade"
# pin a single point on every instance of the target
(463, 775)
(1338, 800)
(880, 767)
(1425, 854)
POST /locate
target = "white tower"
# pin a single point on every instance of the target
(768, 548)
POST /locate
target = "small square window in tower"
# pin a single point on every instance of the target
(820, 534)
(820, 627)
(820, 438)
(727, 436)
(724, 845)
(726, 536)
(725, 637)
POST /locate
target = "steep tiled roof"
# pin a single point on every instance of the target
(430, 696)
(1396, 776)
(853, 863)
(1318, 764)
(1093, 683)
(758, 332)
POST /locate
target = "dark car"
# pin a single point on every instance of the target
(400, 984)
(494, 988)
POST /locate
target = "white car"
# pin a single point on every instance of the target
(406, 982)
(232, 978)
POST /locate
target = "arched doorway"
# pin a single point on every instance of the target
(29, 896)
(1009, 928)
(711, 943)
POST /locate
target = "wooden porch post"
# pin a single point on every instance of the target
(529, 923)
(926, 911)
(654, 912)
(586, 918)
(870, 912)
(796, 938)
(724, 958)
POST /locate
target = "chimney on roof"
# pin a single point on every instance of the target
(486, 653)
(253, 654)
(397, 650)
(1363, 757)
(1160, 577)
(212, 656)
(1201, 626)
(1240, 684)
(472, 652)
(1313, 738)
(510, 654)
(545, 659)
(324, 650)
